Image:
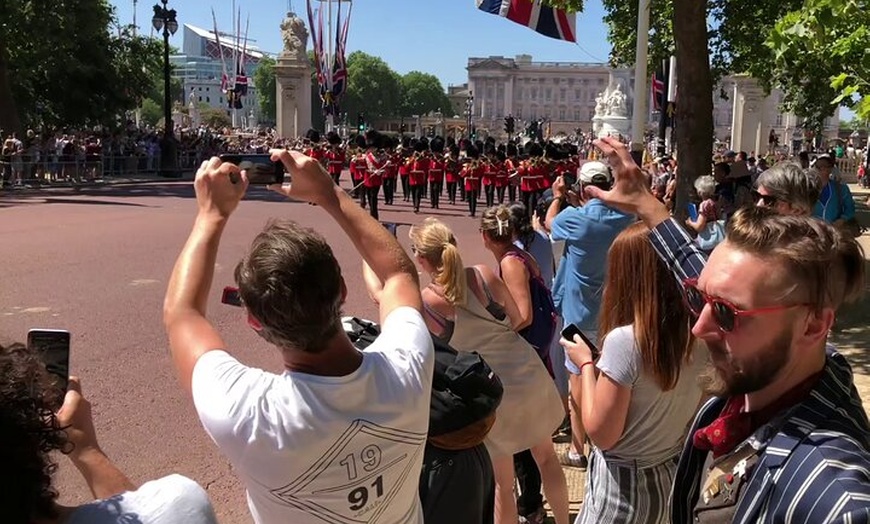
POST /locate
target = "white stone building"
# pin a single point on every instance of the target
(562, 93)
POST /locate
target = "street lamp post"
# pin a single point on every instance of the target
(469, 110)
(164, 19)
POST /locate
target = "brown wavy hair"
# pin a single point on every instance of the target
(641, 291)
(29, 433)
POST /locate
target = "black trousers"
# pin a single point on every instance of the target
(406, 193)
(489, 192)
(471, 197)
(435, 193)
(529, 480)
(457, 487)
(371, 195)
(335, 177)
(389, 190)
(499, 191)
(417, 196)
(530, 201)
(512, 193)
(451, 192)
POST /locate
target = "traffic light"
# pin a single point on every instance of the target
(473, 133)
(402, 129)
(360, 122)
(509, 124)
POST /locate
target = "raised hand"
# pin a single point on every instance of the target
(309, 181)
(219, 187)
(630, 192)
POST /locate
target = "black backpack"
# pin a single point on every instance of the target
(464, 388)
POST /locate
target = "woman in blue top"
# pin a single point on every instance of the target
(835, 204)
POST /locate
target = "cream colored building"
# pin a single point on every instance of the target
(746, 117)
(562, 93)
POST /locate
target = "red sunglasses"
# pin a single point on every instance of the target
(724, 313)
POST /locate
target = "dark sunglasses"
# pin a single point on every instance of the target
(769, 200)
(724, 313)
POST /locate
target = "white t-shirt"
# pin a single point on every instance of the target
(314, 449)
(169, 500)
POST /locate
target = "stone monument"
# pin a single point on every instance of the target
(193, 109)
(293, 80)
(611, 112)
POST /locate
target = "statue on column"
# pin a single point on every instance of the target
(616, 102)
(192, 109)
(295, 37)
(601, 104)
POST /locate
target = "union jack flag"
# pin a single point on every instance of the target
(555, 23)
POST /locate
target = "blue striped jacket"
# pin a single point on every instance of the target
(814, 461)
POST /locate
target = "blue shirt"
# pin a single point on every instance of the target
(832, 206)
(588, 232)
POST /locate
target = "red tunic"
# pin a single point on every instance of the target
(419, 169)
(436, 171)
(335, 159)
(532, 176)
(472, 173)
(374, 174)
(488, 173)
(501, 174)
(318, 154)
(358, 168)
(451, 167)
(392, 170)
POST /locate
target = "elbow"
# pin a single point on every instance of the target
(600, 437)
(522, 323)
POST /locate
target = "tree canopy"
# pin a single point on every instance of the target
(821, 54)
(423, 93)
(69, 63)
(264, 83)
(379, 92)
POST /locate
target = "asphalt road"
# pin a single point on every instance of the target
(96, 261)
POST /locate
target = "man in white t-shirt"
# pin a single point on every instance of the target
(339, 435)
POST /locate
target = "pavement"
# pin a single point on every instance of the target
(95, 259)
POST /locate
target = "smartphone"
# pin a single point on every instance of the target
(52, 345)
(571, 330)
(261, 170)
(693, 212)
(392, 227)
(231, 296)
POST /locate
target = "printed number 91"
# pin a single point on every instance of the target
(359, 497)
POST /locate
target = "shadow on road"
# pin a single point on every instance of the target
(66, 195)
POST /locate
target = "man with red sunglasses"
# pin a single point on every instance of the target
(785, 438)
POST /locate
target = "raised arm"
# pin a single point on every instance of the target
(378, 248)
(630, 193)
(219, 187)
(101, 475)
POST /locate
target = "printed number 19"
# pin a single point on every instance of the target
(359, 497)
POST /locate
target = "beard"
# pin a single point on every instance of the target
(725, 376)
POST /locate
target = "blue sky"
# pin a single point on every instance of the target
(432, 36)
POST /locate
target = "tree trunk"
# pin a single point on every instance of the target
(8, 113)
(694, 118)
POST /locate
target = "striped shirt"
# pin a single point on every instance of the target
(814, 458)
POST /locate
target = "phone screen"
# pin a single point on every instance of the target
(571, 330)
(693, 212)
(53, 347)
(231, 296)
(261, 170)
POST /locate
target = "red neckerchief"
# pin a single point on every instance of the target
(735, 425)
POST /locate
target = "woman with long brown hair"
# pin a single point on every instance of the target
(637, 408)
(471, 309)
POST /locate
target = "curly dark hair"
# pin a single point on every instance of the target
(29, 432)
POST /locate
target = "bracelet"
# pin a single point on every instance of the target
(586, 364)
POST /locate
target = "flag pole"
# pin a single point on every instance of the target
(639, 109)
(329, 59)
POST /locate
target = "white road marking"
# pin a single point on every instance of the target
(143, 282)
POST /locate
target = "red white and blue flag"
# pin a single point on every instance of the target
(555, 23)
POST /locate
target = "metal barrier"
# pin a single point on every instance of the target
(15, 171)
